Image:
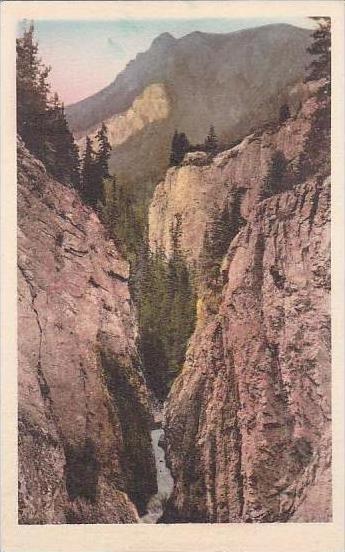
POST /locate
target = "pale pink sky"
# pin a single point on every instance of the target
(87, 55)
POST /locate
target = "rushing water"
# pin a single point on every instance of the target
(165, 482)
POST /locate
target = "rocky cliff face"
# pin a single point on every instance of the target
(234, 81)
(248, 419)
(235, 180)
(84, 411)
(151, 106)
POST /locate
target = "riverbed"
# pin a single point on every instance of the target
(165, 482)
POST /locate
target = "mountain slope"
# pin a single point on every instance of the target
(247, 77)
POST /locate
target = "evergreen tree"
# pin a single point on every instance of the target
(284, 113)
(173, 154)
(32, 91)
(61, 153)
(316, 154)
(103, 153)
(41, 121)
(181, 300)
(179, 147)
(95, 169)
(223, 226)
(122, 221)
(163, 289)
(111, 208)
(216, 242)
(211, 141)
(88, 174)
(320, 49)
(275, 178)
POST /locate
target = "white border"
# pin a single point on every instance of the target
(302, 537)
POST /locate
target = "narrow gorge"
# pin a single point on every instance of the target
(174, 330)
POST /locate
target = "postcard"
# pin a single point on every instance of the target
(172, 276)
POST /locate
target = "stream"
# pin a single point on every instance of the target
(165, 482)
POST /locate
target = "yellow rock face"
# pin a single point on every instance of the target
(151, 106)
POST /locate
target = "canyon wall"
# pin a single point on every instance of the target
(84, 416)
(235, 179)
(248, 420)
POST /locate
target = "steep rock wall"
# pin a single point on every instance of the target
(84, 411)
(151, 106)
(198, 190)
(248, 419)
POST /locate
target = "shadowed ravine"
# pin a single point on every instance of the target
(165, 482)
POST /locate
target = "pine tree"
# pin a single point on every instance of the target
(221, 229)
(316, 154)
(95, 169)
(61, 153)
(88, 172)
(41, 120)
(103, 153)
(32, 91)
(173, 154)
(181, 300)
(111, 208)
(211, 141)
(320, 49)
(275, 178)
(179, 147)
(284, 113)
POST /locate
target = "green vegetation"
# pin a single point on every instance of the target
(41, 120)
(95, 168)
(222, 228)
(320, 67)
(211, 142)
(284, 113)
(180, 145)
(316, 154)
(277, 175)
(162, 288)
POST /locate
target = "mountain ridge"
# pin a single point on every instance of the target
(72, 109)
(234, 81)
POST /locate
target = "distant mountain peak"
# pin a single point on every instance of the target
(164, 39)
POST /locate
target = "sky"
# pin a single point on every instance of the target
(86, 56)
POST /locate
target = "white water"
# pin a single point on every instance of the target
(165, 482)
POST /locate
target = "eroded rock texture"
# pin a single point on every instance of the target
(248, 420)
(84, 413)
(236, 180)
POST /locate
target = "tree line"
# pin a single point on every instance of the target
(42, 125)
(163, 289)
(41, 120)
(180, 145)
